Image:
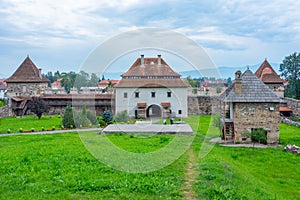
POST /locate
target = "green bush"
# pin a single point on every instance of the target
(81, 120)
(68, 119)
(101, 122)
(259, 135)
(2, 102)
(122, 116)
(107, 116)
(92, 117)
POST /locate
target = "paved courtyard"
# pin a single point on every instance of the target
(148, 128)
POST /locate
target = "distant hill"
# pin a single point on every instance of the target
(224, 71)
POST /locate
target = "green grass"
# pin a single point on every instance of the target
(240, 173)
(28, 122)
(61, 167)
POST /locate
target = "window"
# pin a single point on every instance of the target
(169, 94)
(137, 94)
(125, 94)
(152, 94)
(179, 112)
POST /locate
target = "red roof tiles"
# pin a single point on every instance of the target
(267, 74)
(149, 73)
(27, 73)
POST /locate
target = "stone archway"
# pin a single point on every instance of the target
(153, 111)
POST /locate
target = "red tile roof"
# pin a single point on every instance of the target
(27, 73)
(151, 83)
(284, 109)
(267, 74)
(150, 74)
(150, 68)
(106, 82)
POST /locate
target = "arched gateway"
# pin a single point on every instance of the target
(153, 111)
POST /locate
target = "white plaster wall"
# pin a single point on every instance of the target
(178, 99)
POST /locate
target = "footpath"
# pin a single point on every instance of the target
(52, 132)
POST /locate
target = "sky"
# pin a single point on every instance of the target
(60, 35)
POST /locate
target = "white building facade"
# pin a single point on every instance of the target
(150, 88)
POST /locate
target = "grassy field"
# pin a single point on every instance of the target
(60, 167)
(28, 122)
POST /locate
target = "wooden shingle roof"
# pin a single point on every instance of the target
(27, 72)
(253, 90)
(267, 74)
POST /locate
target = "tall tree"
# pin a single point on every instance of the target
(290, 69)
(68, 80)
(94, 80)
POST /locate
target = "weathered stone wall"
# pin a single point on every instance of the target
(294, 104)
(288, 121)
(257, 115)
(5, 111)
(25, 89)
(203, 105)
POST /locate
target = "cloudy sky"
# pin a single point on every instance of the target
(59, 35)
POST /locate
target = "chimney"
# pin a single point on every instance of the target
(238, 82)
(158, 60)
(40, 73)
(142, 60)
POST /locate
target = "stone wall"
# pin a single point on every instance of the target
(248, 116)
(5, 111)
(25, 89)
(288, 121)
(294, 104)
(203, 105)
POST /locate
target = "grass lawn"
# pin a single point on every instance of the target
(240, 173)
(60, 167)
(28, 122)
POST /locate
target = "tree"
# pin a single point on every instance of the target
(94, 80)
(290, 69)
(190, 81)
(68, 119)
(38, 106)
(107, 116)
(68, 80)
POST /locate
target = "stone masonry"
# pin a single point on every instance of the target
(294, 104)
(257, 115)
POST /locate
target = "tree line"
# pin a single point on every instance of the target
(72, 79)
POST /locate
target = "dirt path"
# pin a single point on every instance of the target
(190, 176)
(52, 132)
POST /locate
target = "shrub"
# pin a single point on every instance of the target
(259, 135)
(81, 120)
(122, 116)
(107, 117)
(32, 129)
(43, 129)
(101, 122)
(53, 128)
(68, 119)
(8, 130)
(21, 130)
(92, 117)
